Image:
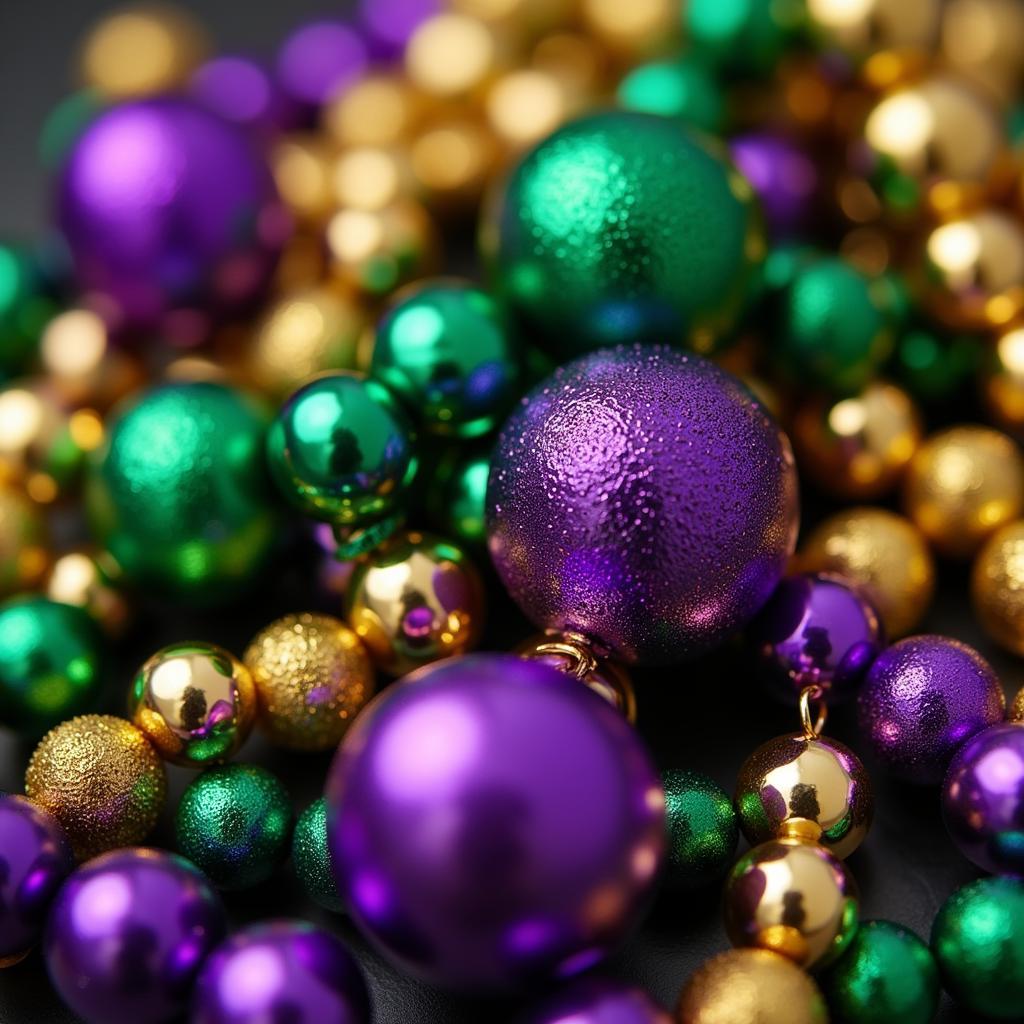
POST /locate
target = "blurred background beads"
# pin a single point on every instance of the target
(450, 55)
(24, 541)
(682, 88)
(997, 587)
(25, 306)
(593, 1000)
(1002, 381)
(984, 41)
(380, 109)
(702, 830)
(783, 177)
(241, 90)
(876, 26)
(81, 577)
(311, 857)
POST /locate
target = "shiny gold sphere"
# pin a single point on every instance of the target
(866, 27)
(1016, 711)
(750, 986)
(378, 110)
(881, 552)
(370, 177)
(1002, 380)
(984, 41)
(997, 587)
(24, 541)
(415, 600)
(451, 55)
(963, 484)
(857, 448)
(195, 702)
(101, 779)
(312, 676)
(82, 577)
(525, 105)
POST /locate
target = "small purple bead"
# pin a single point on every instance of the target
(816, 629)
(287, 971)
(983, 799)
(389, 24)
(782, 176)
(128, 933)
(35, 858)
(922, 698)
(317, 60)
(242, 91)
(598, 1001)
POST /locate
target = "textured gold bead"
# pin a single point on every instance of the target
(997, 587)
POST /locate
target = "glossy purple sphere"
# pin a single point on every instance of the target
(390, 24)
(171, 216)
(281, 971)
(493, 824)
(317, 61)
(35, 858)
(597, 1001)
(816, 629)
(128, 933)
(922, 698)
(643, 497)
(241, 90)
(983, 799)
(782, 176)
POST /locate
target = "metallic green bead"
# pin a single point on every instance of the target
(622, 227)
(933, 368)
(456, 499)
(886, 976)
(311, 857)
(342, 450)
(443, 348)
(179, 494)
(702, 829)
(24, 309)
(684, 89)
(978, 941)
(51, 661)
(234, 822)
(746, 37)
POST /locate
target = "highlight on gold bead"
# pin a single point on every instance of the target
(379, 110)
(24, 541)
(81, 577)
(997, 587)
(450, 55)
(1016, 709)
(1002, 380)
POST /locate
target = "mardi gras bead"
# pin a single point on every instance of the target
(456, 500)
(35, 858)
(128, 933)
(25, 307)
(1002, 381)
(924, 697)
(284, 970)
(1016, 710)
(389, 24)
(301, 167)
(562, 237)
(981, 39)
(574, 815)
(80, 577)
(702, 831)
(997, 587)
(379, 110)
(749, 39)
(597, 1000)
(452, 158)
(682, 88)
(450, 55)
(525, 105)
(934, 367)
(596, 521)
(782, 176)
(241, 90)
(311, 857)
(24, 554)
(876, 26)
(978, 941)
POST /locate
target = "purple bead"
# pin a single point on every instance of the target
(598, 1001)
(128, 933)
(782, 176)
(922, 698)
(240, 90)
(35, 858)
(493, 823)
(316, 61)
(816, 629)
(287, 971)
(983, 799)
(643, 497)
(171, 215)
(389, 24)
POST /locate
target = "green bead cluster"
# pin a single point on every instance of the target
(702, 829)
(311, 857)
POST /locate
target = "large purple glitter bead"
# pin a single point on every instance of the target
(983, 799)
(127, 935)
(598, 1001)
(35, 858)
(783, 177)
(285, 971)
(493, 823)
(922, 698)
(643, 497)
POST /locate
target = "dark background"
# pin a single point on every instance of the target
(706, 717)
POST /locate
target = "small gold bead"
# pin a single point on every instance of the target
(379, 110)
(450, 55)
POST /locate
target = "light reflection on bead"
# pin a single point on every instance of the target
(1002, 380)
(997, 587)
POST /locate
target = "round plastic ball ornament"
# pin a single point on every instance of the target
(642, 498)
(539, 781)
(597, 1001)
(702, 830)
(311, 857)
(997, 587)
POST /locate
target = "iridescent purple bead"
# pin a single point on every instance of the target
(35, 858)
(241, 90)
(287, 971)
(818, 629)
(316, 61)
(598, 1001)
(494, 824)
(127, 935)
(782, 176)
(983, 799)
(389, 24)
(922, 698)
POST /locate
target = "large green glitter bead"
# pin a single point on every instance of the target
(745, 37)
(683, 89)
(235, 822)
(622, 227)
(51, 660)
(311, 857)
(702, 829)
(443, 348)
(342, 450)
(886, 976)
(179, 495)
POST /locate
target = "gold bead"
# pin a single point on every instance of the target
(195, 702)
(1002, 380)
(370, 178)
(524, 106)
(379, 110)
(962, 485)
(632, 30)
(873, 26)
(451, 55)
(984, 40)
(1016, 712)
(577, 61)
(101, 779)
(301, 165)
(24, 541)
(452, 159)
(997, 587)
(750, 986)
(82, 577)
(881, 552)
(312, 678)
(415, 600)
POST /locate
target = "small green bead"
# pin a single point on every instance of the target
(683, 88)
(51, 661)
(311, 857)
(886, 976)
(702, 829)
(65, 123)
(234, 822)
(342, 450)
(745, 37)
(24, 309)
(934, 368)
(978, 941)
(457, 496)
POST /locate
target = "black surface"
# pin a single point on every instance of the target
(706, 717)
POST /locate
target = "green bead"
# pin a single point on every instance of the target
(978, 941)
(933, 368)
(886, 976)
(179, 493)
(342, 450)
(65, 123)
(622, 227)
(702, 829)
(25, 309)
(745, 37)
(443, 348)
(51, 662)
(683, 88)
(457, 495)
(312, 858)
(234, 822)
